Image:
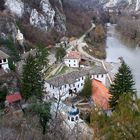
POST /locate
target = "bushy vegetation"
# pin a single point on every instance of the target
(60, 53)
(87, 90)
(11, 64)
(3, 94)
(129, 26)
(122, 124)
(9, 44)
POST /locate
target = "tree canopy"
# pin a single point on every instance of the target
(99, 33)
(87, 90)
(123, 123)
(60, 53)
(42, 55)
(42, 110)
(32, 83)
(123, 84)
(3, 94)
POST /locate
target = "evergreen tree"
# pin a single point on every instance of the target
(87, 90)
(122, 84)
(11, 64)
(3, 94)
(42, 55)
(60, 53)
(32, 83)
(42, 110)
(123, 124)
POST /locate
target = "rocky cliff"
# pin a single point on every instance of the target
(68, 17)
(43, 14)
(131, 5)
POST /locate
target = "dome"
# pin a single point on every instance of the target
(73, 111)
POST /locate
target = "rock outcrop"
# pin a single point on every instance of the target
(41, 13)
(130, 5)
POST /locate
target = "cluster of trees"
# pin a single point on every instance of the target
(9, 44)
(32, 77)
(96, 40)
(123, 123)
(99, 34)
(33, 85)
(129, 26)
(87, 89)
(60, 53)
(2, 7)
(3, 94)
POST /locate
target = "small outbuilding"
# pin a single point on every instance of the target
(14, 98)
(4, 60)
(72, 59)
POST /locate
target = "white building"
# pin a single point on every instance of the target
(20, 37)
(4, 60)
(72, 59)
(64, 85)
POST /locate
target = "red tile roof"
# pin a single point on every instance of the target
(13, 97)
(100, 94)
(73, 55)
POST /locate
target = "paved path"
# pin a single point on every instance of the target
(80, 44)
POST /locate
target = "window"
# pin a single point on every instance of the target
(81, 84)
(73, 85)
(65, 86)
(72, 119)
(78, 86)
(97, 76)
(102, 75)
(68, 118)
(50, 86)
(69, 65)
(74, 60)
(0, 66)
(74, 64)
(82, 78)
(76, 117)
(60, 88)
(53, 87)
(69, 60)
(4, 60)
(0, 61)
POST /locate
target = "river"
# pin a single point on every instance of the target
(119, 46)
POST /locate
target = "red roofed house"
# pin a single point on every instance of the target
(72, 59)
(13, 98)
(100, 95)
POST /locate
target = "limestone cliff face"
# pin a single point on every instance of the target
(131, 5)
(43, 14)
(7, 26)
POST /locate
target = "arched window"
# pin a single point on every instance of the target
(72, 119)
(4, 60)
(77, 117)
